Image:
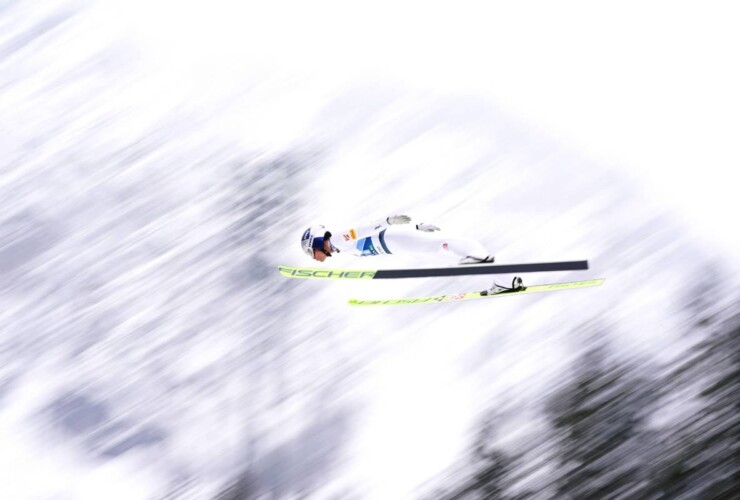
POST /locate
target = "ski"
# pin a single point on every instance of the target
(495, 291)
(375, 274)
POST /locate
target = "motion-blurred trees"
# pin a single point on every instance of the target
(492, 466)
(700, 447)
(622, 429)
(598, 418)
(489, 473)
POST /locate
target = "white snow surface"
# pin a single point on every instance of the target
(143, 353)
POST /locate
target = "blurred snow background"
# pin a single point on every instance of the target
(160, 159)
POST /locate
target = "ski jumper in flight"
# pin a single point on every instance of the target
(380, 238)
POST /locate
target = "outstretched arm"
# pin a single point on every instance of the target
(376, 226)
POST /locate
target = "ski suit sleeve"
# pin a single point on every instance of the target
(363, 231)
(373, 228)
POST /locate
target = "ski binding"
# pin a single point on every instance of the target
(516, 286)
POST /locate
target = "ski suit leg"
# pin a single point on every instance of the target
(405, 241)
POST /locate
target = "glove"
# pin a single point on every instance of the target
(398, 219)
(427, 228)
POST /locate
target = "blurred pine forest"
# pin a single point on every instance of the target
(623, 428)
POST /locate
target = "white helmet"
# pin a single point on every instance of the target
(313, 239)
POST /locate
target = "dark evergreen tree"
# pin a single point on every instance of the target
(699, 450)
(489, 473)
(492, 466)
(598, 417)
(243, 487)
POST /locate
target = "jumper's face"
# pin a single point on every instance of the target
(322, 254)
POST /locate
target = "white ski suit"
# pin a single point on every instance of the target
(380, 238)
